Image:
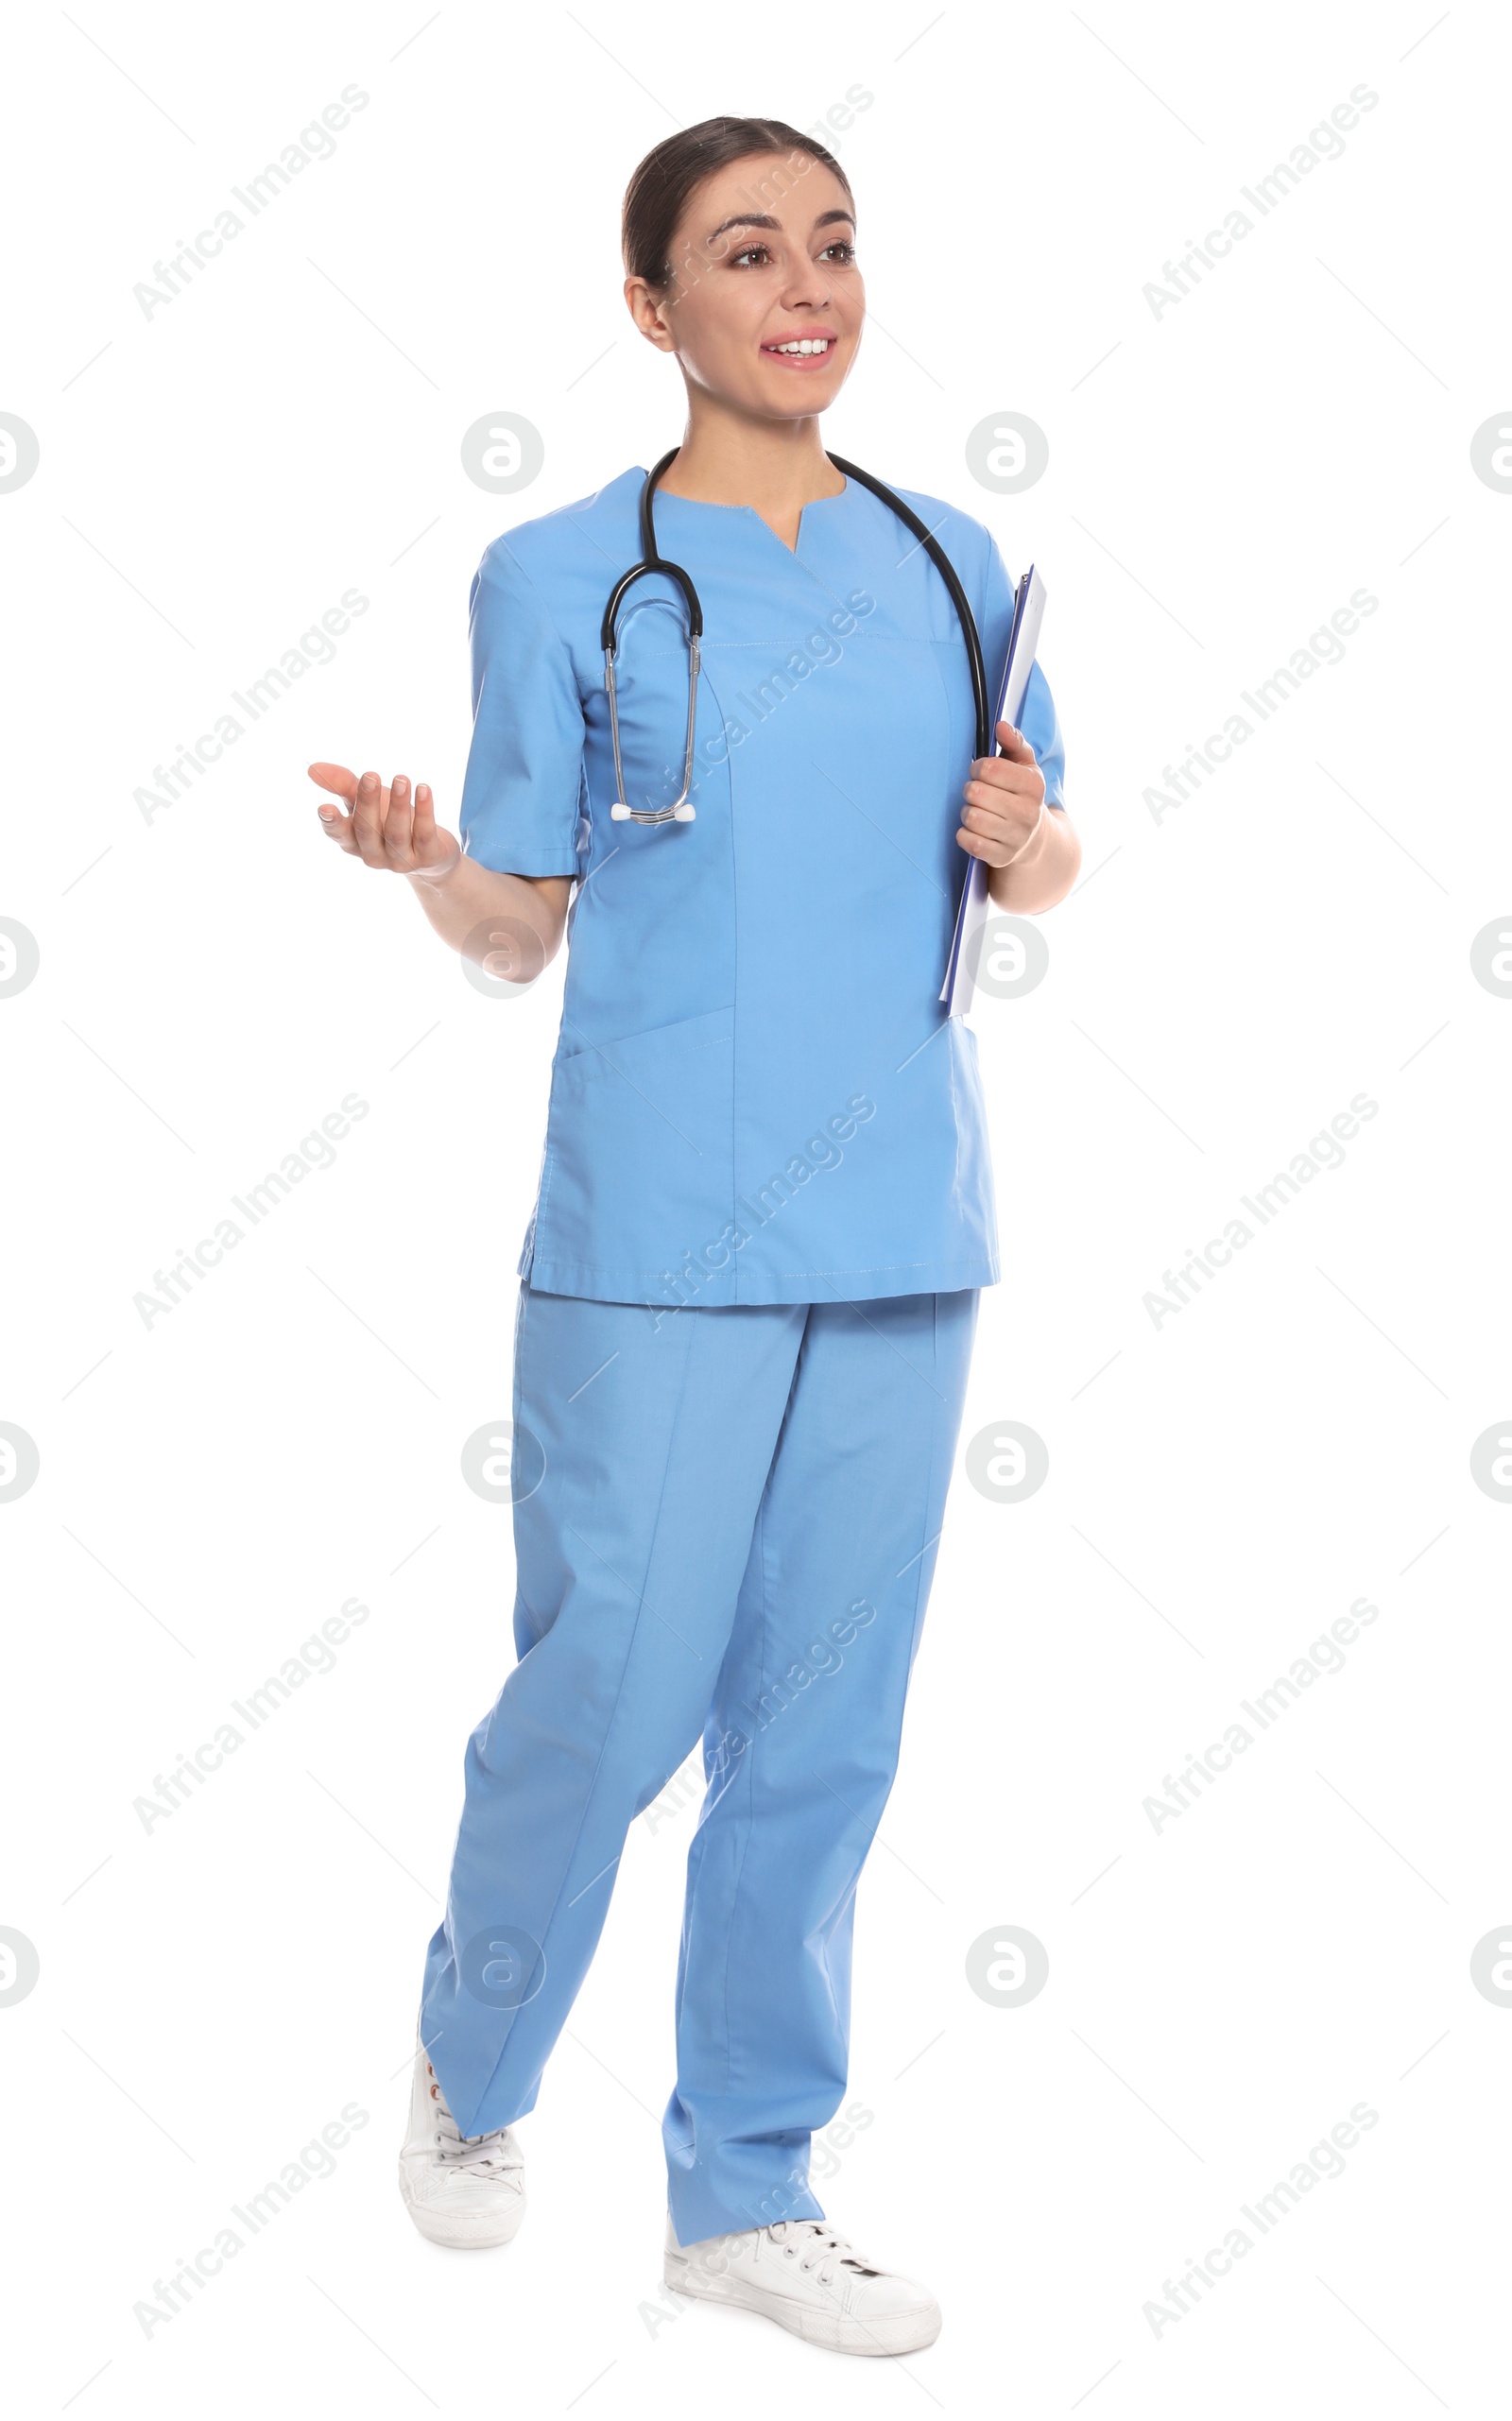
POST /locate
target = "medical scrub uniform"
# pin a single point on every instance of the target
(749, 1287)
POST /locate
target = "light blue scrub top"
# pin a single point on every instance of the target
(757, 1096)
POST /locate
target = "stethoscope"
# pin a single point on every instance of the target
(681, 810)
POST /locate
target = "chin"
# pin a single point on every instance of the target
(810, 395)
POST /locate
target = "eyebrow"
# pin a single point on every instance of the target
(763, 218)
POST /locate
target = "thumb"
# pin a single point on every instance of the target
(339, 779)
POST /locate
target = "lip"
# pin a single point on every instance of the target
(800, 361)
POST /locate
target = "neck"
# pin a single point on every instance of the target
(731, 457)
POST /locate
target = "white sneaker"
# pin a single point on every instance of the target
(462, 2190)
(808, 2278)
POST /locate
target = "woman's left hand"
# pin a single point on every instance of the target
(1005, 800)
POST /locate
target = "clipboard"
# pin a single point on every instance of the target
(972, 913)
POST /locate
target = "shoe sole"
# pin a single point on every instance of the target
(899, 2332)
(465, 2236)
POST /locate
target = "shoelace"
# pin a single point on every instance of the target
(820, 2248)
(488, 2155)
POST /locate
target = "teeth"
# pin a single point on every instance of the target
(802, 345)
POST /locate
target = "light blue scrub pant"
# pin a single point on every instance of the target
(733, 1535)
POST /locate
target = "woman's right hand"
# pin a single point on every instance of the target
(386, 825)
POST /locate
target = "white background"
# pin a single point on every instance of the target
(1222, 1486)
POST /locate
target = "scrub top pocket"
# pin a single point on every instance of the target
(639, 1155)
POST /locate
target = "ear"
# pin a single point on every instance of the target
(648, 310)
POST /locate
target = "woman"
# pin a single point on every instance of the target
(750, 1285)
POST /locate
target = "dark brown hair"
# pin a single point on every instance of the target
(658, 194)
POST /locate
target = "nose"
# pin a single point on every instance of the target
(807, 290)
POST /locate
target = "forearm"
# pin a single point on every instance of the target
(513, 920)
(1043, 872)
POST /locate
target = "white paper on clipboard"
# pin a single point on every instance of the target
(1023, 638)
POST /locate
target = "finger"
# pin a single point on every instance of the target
(338, 778)
(368, 819)
(433, 848)
(999, 843)
(993, 781)
(996, 823)
(337, 828)
(978, 844)
(399, 823)
(1015, 746)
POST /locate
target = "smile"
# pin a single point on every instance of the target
(801, 348)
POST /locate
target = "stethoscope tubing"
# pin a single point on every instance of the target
(652, 559)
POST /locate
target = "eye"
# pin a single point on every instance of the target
(751, 252)
(840, 250)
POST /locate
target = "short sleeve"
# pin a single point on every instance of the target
(1038, 719)
(524, 782)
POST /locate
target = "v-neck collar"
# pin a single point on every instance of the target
(701, 503)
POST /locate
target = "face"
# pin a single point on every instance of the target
(763, 263)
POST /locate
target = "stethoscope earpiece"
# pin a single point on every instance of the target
(683, 812)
